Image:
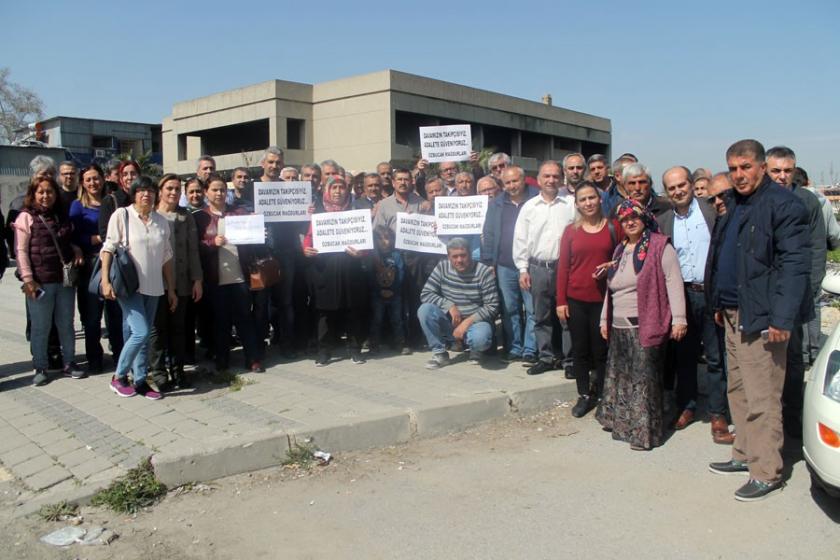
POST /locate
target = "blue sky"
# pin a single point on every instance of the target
(679, 81)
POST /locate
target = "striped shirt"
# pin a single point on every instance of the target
(473, 292)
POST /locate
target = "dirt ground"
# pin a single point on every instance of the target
(540, 486)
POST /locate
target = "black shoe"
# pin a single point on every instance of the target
(755, 490)
(558, 364)
(729, 467)
(511, 358)
(528, 360)
(584, 404)
(322, 359)
(540, 367)
(569, 374)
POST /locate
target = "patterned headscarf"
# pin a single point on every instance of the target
(626, 209)
(329, 205)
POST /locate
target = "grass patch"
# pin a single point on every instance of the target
(299, 455)
(834, 256)
(234, 381)
(57, 512)
(137, 489)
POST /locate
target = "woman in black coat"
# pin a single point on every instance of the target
(337, 282)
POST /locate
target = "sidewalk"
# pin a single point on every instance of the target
(71, 437)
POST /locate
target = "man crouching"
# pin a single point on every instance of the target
(459, 305)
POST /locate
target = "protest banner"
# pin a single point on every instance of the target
(245, 230)
(283, 201)
(460, 215)
(416, 232)
(446, 143)
(332, 232)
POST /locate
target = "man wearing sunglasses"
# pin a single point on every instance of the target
(716, 192)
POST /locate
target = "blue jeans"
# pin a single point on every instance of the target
(55, 305)
(437, 326)
(519, 331)
(138, 312)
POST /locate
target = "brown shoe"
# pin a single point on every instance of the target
(686, 418)
(720, 430)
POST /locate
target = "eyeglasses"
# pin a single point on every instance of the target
(714, 197)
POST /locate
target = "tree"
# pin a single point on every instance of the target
(18, 107)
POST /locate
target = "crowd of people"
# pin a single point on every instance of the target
(585, 268)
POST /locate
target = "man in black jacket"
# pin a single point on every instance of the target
(757, 283)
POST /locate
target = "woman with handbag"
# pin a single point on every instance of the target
(227, 269)
(169, 330)
(46, 260)
(84, 216)
(137, 248)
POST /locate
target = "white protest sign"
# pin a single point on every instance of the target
(446, 143)
(416, 232)
(245, 230)
(332, 232)
(460, 215)
(283, 201)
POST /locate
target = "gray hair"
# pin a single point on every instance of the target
(492, 178)
(636, 170)
(334, 164)
(458, 243)
(41, 163)
(371, 175)
(238, 169)
(68, 163)
(619, 165)
(781, 152)
(289, 168)
(594, 158)
(467, 173)
(498, 156)
(206, 158)
(314, 166)
(576, 154)
(273, 150)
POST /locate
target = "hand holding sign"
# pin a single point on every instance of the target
(445, 143)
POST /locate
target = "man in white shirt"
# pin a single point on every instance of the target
(536, 248)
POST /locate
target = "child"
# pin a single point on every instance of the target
(386, 284)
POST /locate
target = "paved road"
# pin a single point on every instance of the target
(546, 487)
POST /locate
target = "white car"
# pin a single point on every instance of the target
(821, 409)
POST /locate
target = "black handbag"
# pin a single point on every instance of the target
(123, 274)
(69, 272)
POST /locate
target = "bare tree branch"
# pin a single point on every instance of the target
(18, 107)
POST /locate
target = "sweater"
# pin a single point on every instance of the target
(473, 292)
(659, 293)
(580, 253)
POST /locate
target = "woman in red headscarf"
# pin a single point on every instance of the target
(643, 308)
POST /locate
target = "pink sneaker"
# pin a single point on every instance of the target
(122, 388)
(144, 390)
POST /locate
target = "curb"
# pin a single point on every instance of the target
(233, 457)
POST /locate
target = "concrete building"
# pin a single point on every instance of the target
(87, 140)
(14, 169)
(363, 120)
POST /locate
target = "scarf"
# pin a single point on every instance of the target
(626, 209)
(329, 205)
